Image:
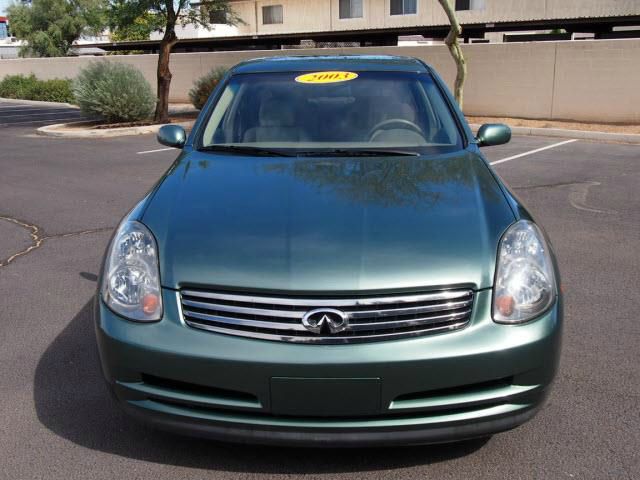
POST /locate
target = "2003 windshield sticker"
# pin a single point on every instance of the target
(326, 77)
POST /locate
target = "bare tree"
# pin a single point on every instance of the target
(453, 44)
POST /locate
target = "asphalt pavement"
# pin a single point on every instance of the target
(32, 114)
(60, 200)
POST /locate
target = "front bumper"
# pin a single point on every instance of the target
(468, 383)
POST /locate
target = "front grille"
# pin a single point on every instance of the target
(370, 318)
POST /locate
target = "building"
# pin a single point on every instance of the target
(265, 17)
(9, 47)
(278, 23)
(4, 32)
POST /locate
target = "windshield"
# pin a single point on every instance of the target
(322, 112)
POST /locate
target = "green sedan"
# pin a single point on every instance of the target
(330, 261)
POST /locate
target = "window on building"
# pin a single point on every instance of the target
(271, 14)
(351, 9)
(469, 4)
(217, 17)
(404, 7)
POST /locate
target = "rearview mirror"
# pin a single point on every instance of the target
(172, 136)
(491, 134)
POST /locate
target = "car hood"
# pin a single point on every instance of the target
(328, 224)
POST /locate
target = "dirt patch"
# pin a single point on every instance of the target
(565, 125)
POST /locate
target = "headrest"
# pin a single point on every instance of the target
(387, 111)
(277, 112)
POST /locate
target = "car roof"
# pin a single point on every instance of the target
(308, 63)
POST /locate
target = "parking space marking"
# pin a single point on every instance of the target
(49, 120)
(22, 107)
(531, 152)
(14, 114)
(155, 151)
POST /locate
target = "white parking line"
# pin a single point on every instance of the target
(18, 104)
(48, 120)
(14, 114)
(155, 151)
(531, 152)
(9, 106)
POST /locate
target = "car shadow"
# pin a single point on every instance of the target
(72, 400)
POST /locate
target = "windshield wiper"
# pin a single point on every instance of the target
(240, 149)
(357, 152)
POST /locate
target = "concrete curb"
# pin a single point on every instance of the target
(37, 103)
(632, 138)
(57, 130)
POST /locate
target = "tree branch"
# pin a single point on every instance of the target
(453, 44)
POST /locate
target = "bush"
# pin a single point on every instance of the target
(56, 90)
(114, 91)
(30, 88)
(203, 87)
(16, 86)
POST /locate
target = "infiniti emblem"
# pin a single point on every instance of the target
(325, 320)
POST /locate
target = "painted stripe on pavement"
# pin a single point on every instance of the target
(531, 152)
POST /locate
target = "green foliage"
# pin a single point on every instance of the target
(156, 15)
(51, 26)
(16, 86)
(114, 91)
(30, 88)
(203, 86)
(139, 28)
(167, 15)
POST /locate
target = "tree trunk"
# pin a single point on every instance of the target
(164, 75)
(456, 52)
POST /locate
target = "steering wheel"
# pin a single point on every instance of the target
(397, 123)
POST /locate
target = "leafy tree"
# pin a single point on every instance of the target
(139, 29)
(167, 14)
(50, 27)
(454, 48)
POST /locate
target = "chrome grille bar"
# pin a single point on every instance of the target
(409, 323)
(392, 312)
(244, 310)
(369, 318)
(249, 323)
(340, 339)
(324, 302)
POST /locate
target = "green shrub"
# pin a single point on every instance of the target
(114, 91)
(16, 86)
(56, 90)
(203, 87)
(30, 88)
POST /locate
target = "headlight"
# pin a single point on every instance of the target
(131, 283)
(525, 283)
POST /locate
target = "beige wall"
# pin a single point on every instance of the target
(322, 15)
(597, 80)
(581, 80)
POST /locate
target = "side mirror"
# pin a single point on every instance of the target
(491, 134)
(172, 136)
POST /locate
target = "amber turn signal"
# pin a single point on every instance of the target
(505, 305)
(149, 303)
